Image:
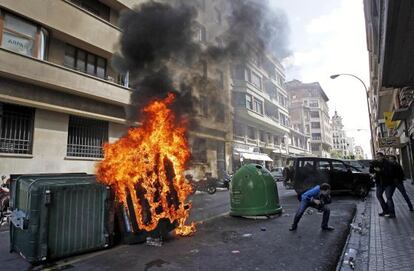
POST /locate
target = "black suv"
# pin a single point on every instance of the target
(305, 172)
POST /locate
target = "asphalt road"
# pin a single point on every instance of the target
(223, 242)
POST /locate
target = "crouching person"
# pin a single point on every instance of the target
(316, 197)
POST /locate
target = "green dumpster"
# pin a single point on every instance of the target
(254, 192)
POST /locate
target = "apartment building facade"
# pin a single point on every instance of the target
(261, 117)
(60, 98)
(359, 152)
(310, 112)
(391, 93)
(339, 138)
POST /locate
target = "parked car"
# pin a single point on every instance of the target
(306, 172)
(277, 174)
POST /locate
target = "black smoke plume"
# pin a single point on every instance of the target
(156, 36)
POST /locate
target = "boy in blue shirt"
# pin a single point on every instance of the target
(315, 197)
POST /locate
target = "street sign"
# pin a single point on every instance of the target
(388, 120)
(388, 142)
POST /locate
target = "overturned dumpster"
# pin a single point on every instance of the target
(59, 215)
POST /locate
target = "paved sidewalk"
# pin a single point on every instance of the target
(391, 245)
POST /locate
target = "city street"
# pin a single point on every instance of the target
(223, 242)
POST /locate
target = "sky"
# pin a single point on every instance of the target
(328, 37)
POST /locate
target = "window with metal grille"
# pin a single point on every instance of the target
(86, 137)
(16, 129)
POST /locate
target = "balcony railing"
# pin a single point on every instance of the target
(59, 78)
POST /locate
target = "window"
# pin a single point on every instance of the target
(204, 106)
(271, 89)
(123, 79)
(315, 125)
(83, 61)
(238, 72)
(199, 153)
(316, 136)
(249, 102)
(315, 147)
(220, 113)
(284, 120)
(314, 103)
(314, 114)
(86, 137)
(220, 77)
(205, 68)
(276, 140)
(258, 106)
(324, 165)
(218, 15)
(16, 129)
(201, 33)
(251, 132)
(256, 80)
(95, 7)
(20, 36)
(239, 99)
(262, 136)
(238, 129)
(309, 164)
(339, 166)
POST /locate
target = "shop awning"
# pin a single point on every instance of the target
(255, 156)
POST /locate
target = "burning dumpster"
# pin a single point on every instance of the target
(59, 215)
(145, 168)
(254, 192)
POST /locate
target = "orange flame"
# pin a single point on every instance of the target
(151, 159)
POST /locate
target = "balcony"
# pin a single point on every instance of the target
(82, 25)
(254, 117)
(252, 141)
(59, 78)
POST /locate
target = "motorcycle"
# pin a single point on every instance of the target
(4, 203)
(207, 184)
(224, 182)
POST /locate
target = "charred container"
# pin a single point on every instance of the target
(130, 232)
(59, 215)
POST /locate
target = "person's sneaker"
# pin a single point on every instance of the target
(390, 215)
(411, 210)
(382, 214)
(328, 228)
(293, 228)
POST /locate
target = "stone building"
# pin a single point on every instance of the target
(310, 113)
(261, 117)
(340, 141)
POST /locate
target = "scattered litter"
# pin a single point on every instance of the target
(155, 242)
(235, 251)
(309, 212)
(263, 229)
(247, 235)
(194, 251)
(350, 258)
(356, 228)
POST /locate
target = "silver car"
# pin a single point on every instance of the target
(277, 174)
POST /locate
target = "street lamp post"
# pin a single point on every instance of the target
(334, 76)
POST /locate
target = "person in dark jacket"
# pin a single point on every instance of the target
(316, 197)
(398, 177)
(383, 171)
